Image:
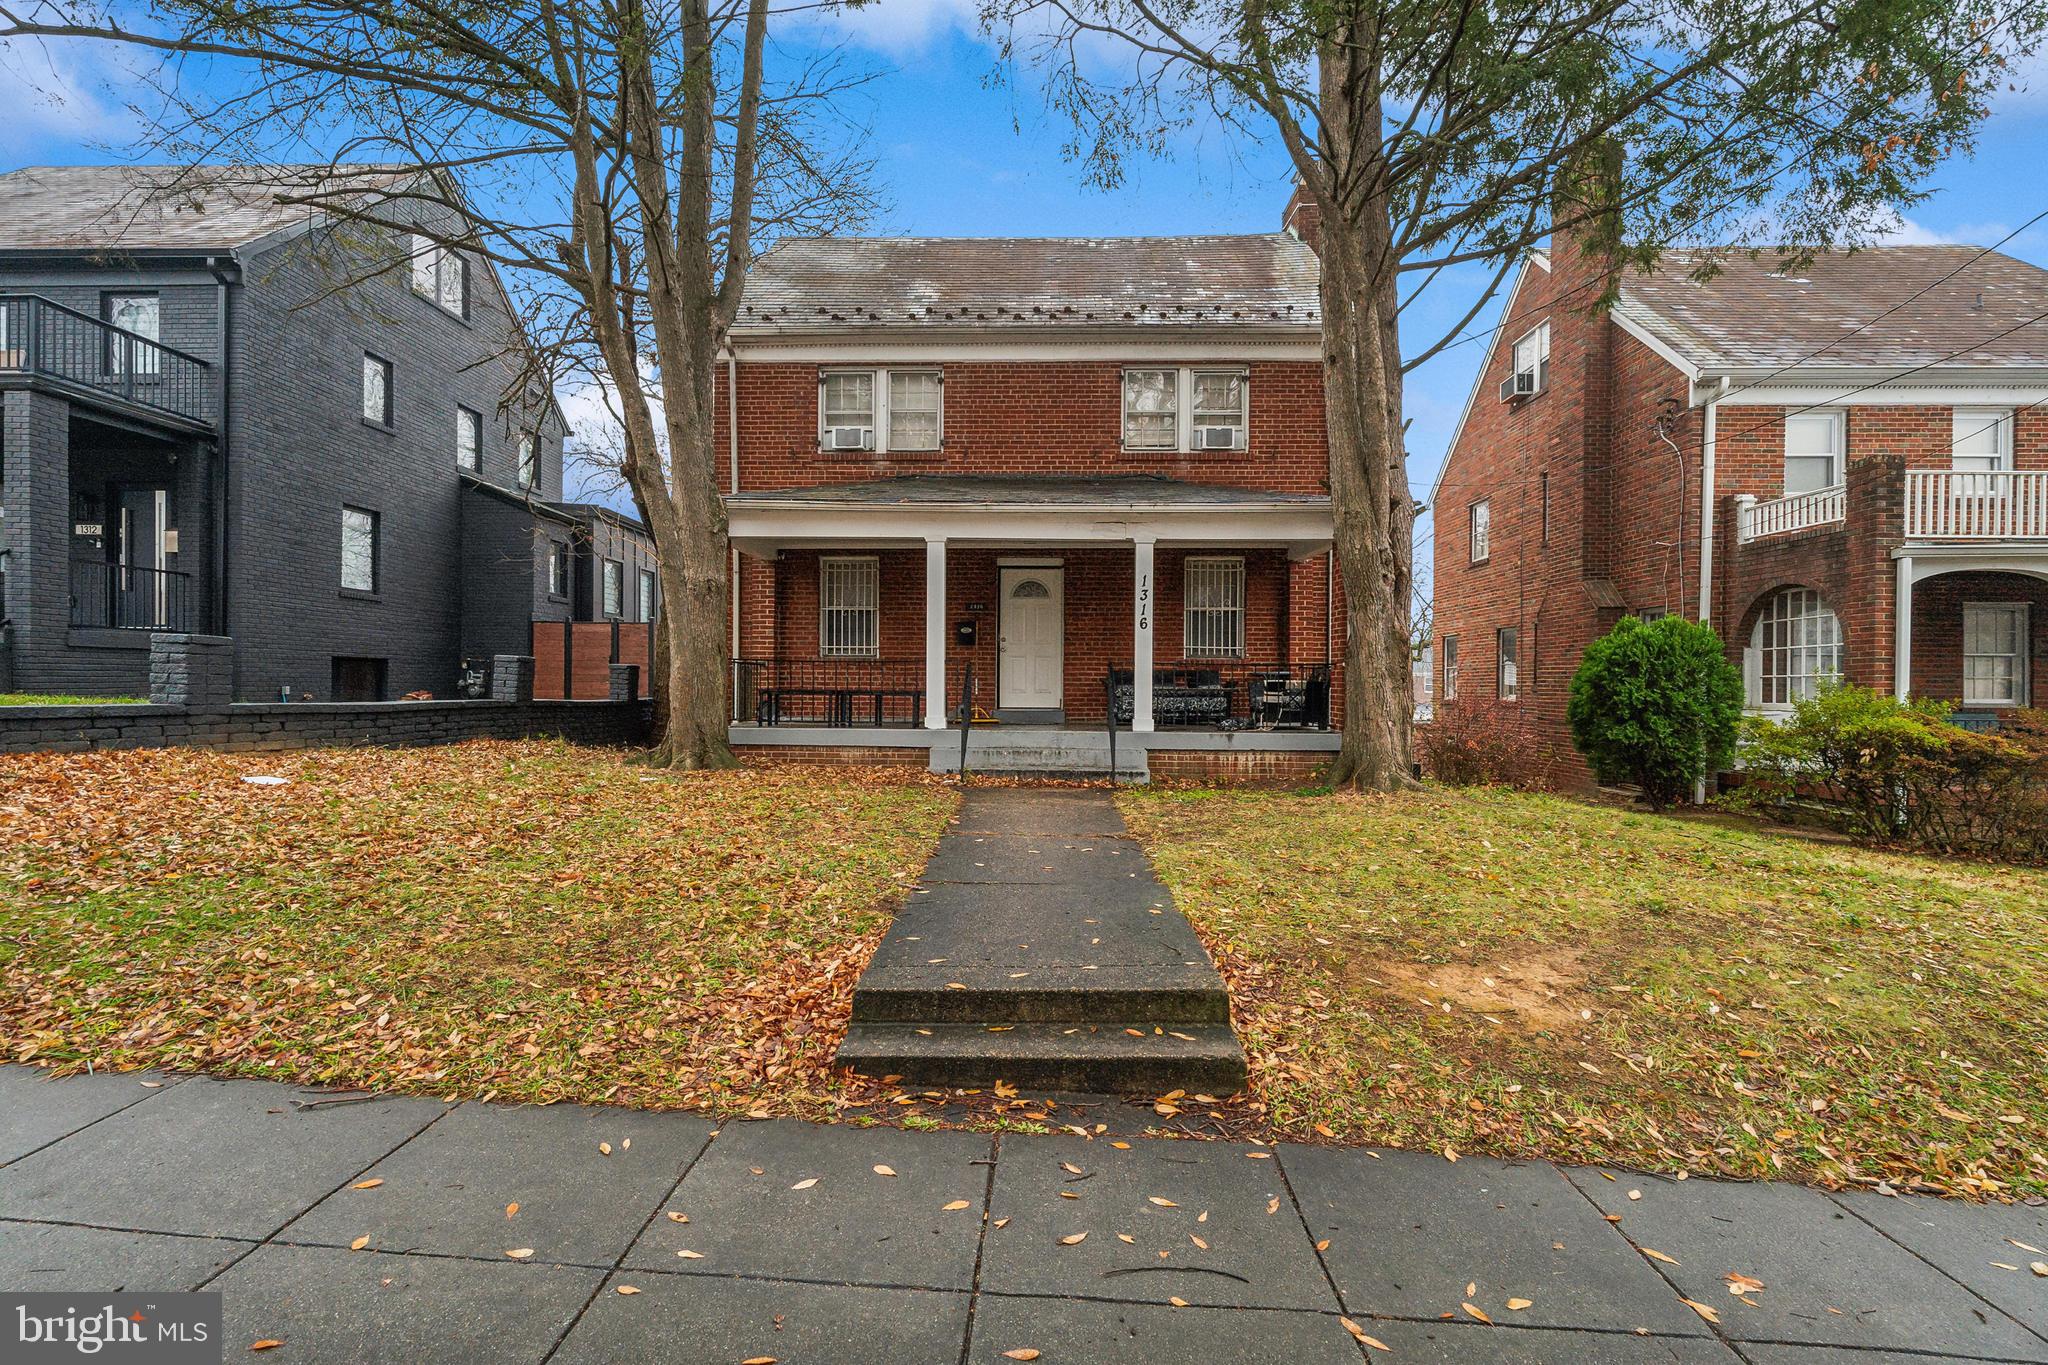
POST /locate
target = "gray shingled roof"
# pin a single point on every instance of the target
(1758, 313)
(142, 208)
(1043, 490)
(831, 283)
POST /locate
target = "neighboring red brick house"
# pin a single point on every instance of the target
(1871, 435)
(1091, 471)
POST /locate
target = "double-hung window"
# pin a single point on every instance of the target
(1994, 654)
(1481, 529)
(1982, 447)
(139, 315)
(1187, 409)
(1528, 365)
(614, 588)
(376, 390)
(469, 439)
(440, 274)
(358, 549)
(529, 460)
(849, 607)
(1509, 682)
(881, 410)
(1450, 668)
(1214, 595)
(1813, 451)
(646, 595)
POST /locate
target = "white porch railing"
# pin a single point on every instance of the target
(1944, 504)
(1780, 516)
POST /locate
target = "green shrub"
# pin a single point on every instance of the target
(1656, 703)
(1877, 768)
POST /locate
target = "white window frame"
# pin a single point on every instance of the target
(1215, 630)
(1507, 663)
(611, 588)
(881, 440)
(388, 375)
(433, 267)
(469, 428)
(1775, 671)
(1969, 422)
(1479, 531)
(1837, 454)
(369, 531)
(1184, 377)
(1449, 646)
(2022, 650)
(836, 575)
(1536, 343)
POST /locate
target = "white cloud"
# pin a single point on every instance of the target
(894, 27)
(63, 97)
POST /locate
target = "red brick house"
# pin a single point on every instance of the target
(1842, 467)
(1075, 475)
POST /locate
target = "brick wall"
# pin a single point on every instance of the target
(313, 725)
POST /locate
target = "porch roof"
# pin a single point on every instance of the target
(1010, 509)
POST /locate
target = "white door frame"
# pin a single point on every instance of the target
(1055, 574)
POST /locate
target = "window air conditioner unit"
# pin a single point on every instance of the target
(849, 438)
(1215, 438)
(1520, 384)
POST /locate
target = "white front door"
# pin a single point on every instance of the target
(1031, 639)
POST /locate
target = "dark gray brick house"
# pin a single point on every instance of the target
(226, 413)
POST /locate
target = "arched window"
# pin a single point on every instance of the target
(1796, 647)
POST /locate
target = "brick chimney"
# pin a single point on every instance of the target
(1303, 218)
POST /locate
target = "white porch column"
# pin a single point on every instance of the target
(1141, 636)
(1902, 631)
(935, 633)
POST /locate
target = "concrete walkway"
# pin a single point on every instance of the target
(799, 1250)
(1038, 948)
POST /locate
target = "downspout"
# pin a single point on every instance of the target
(1706, 613)
(732, 436)
(223, 321)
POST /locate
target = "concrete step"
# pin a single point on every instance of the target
(1139, 1058)
(979, 995)
(1046, 752)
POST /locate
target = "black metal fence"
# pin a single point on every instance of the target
(1229, 694)
(42, 337)
(119, 597)
(837, 692)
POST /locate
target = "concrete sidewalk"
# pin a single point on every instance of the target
(782, 1240)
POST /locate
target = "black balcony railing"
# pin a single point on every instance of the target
(1229, 694)
(44, 338)
(112, 596)
(836, 692)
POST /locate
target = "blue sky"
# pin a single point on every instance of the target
(959, 156)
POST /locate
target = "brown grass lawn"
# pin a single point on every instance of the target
(529, 921)
(1529, 975)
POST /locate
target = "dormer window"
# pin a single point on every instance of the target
(1186, 410)
(881, 410)
(1530, 374)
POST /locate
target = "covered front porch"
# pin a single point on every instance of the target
(1062, 604)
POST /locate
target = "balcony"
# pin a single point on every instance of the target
(1948, 505)
(1782, 516)
(101, 363)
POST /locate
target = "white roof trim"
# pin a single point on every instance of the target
(1044, 343)
(1536, 258)
(1624, 318)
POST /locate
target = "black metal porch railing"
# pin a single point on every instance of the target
(1228, 694)
(41, 337)
(112, 596)
(836, 692)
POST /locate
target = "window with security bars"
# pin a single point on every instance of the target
(1151, 409)
(914, 409)
(1215, 609)
(1994, 654)
(1795, 649)
(849, 607)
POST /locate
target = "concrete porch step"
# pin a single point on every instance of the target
(1172, 995)
(1041, 750)
(1142, 1057)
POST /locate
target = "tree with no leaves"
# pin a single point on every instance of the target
(1435, 135)
(619, 160)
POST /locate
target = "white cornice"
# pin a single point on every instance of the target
(924, 345)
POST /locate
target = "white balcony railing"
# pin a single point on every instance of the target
(1944, 504)
(1781, 516)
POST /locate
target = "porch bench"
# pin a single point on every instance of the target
(1179, 704)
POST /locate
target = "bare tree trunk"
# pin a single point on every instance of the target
(1373, 510)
